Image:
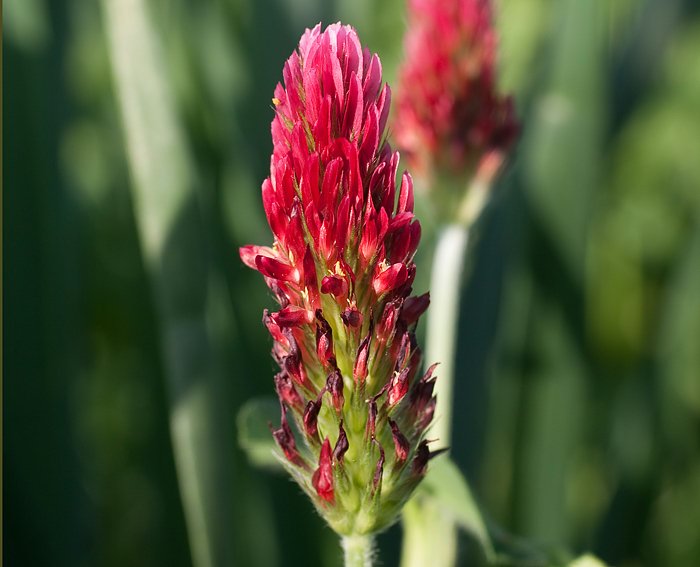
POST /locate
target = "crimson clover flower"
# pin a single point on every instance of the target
(450, 120)
(354, 410)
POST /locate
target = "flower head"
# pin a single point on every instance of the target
(354, 410)
(450, 118)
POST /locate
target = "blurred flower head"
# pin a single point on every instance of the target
(450, 120)
(354, 410)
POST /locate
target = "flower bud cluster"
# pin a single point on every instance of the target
(450, 119)
(354, 409)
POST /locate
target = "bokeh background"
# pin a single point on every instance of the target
(578, 389)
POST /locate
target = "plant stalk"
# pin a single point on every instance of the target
(442, 321)
(358, 550)
(430, 536)
(445, 291)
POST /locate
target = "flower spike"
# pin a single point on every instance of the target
(341, 267)
(451, 122)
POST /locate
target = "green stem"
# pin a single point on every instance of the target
(443, 319)
(358, 550)
(430, 537)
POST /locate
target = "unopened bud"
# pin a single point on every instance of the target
(420, 460)
(334, 285)
(334, 386)
(371, 428)
(341, 445)
(293, 316)
(311, 418)
(404, 351)
(272, 268)
(310, 279)
(414, 307)
(286, 391)
(324, 340)
(387, 323)
(398, 387)
(351, 317)
(322, 479)
(391, 278)
(359, 372)
(379, 468)
(422, 401)
(275, 330)
(423, 455)
(293, 367)
(401, 444)
(285, 441)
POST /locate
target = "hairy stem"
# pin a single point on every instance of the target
(358, 550)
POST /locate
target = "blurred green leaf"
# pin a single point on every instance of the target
(562, 143)
(175, 243)
(159, 161)
(523, 27)
(254, 435)
(445, 484)
(27, 23)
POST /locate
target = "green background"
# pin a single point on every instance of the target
(577, 415)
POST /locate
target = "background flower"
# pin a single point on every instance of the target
(451, 121)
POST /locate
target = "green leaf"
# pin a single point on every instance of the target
(175, 245)
(254, 435)
(445, 484)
